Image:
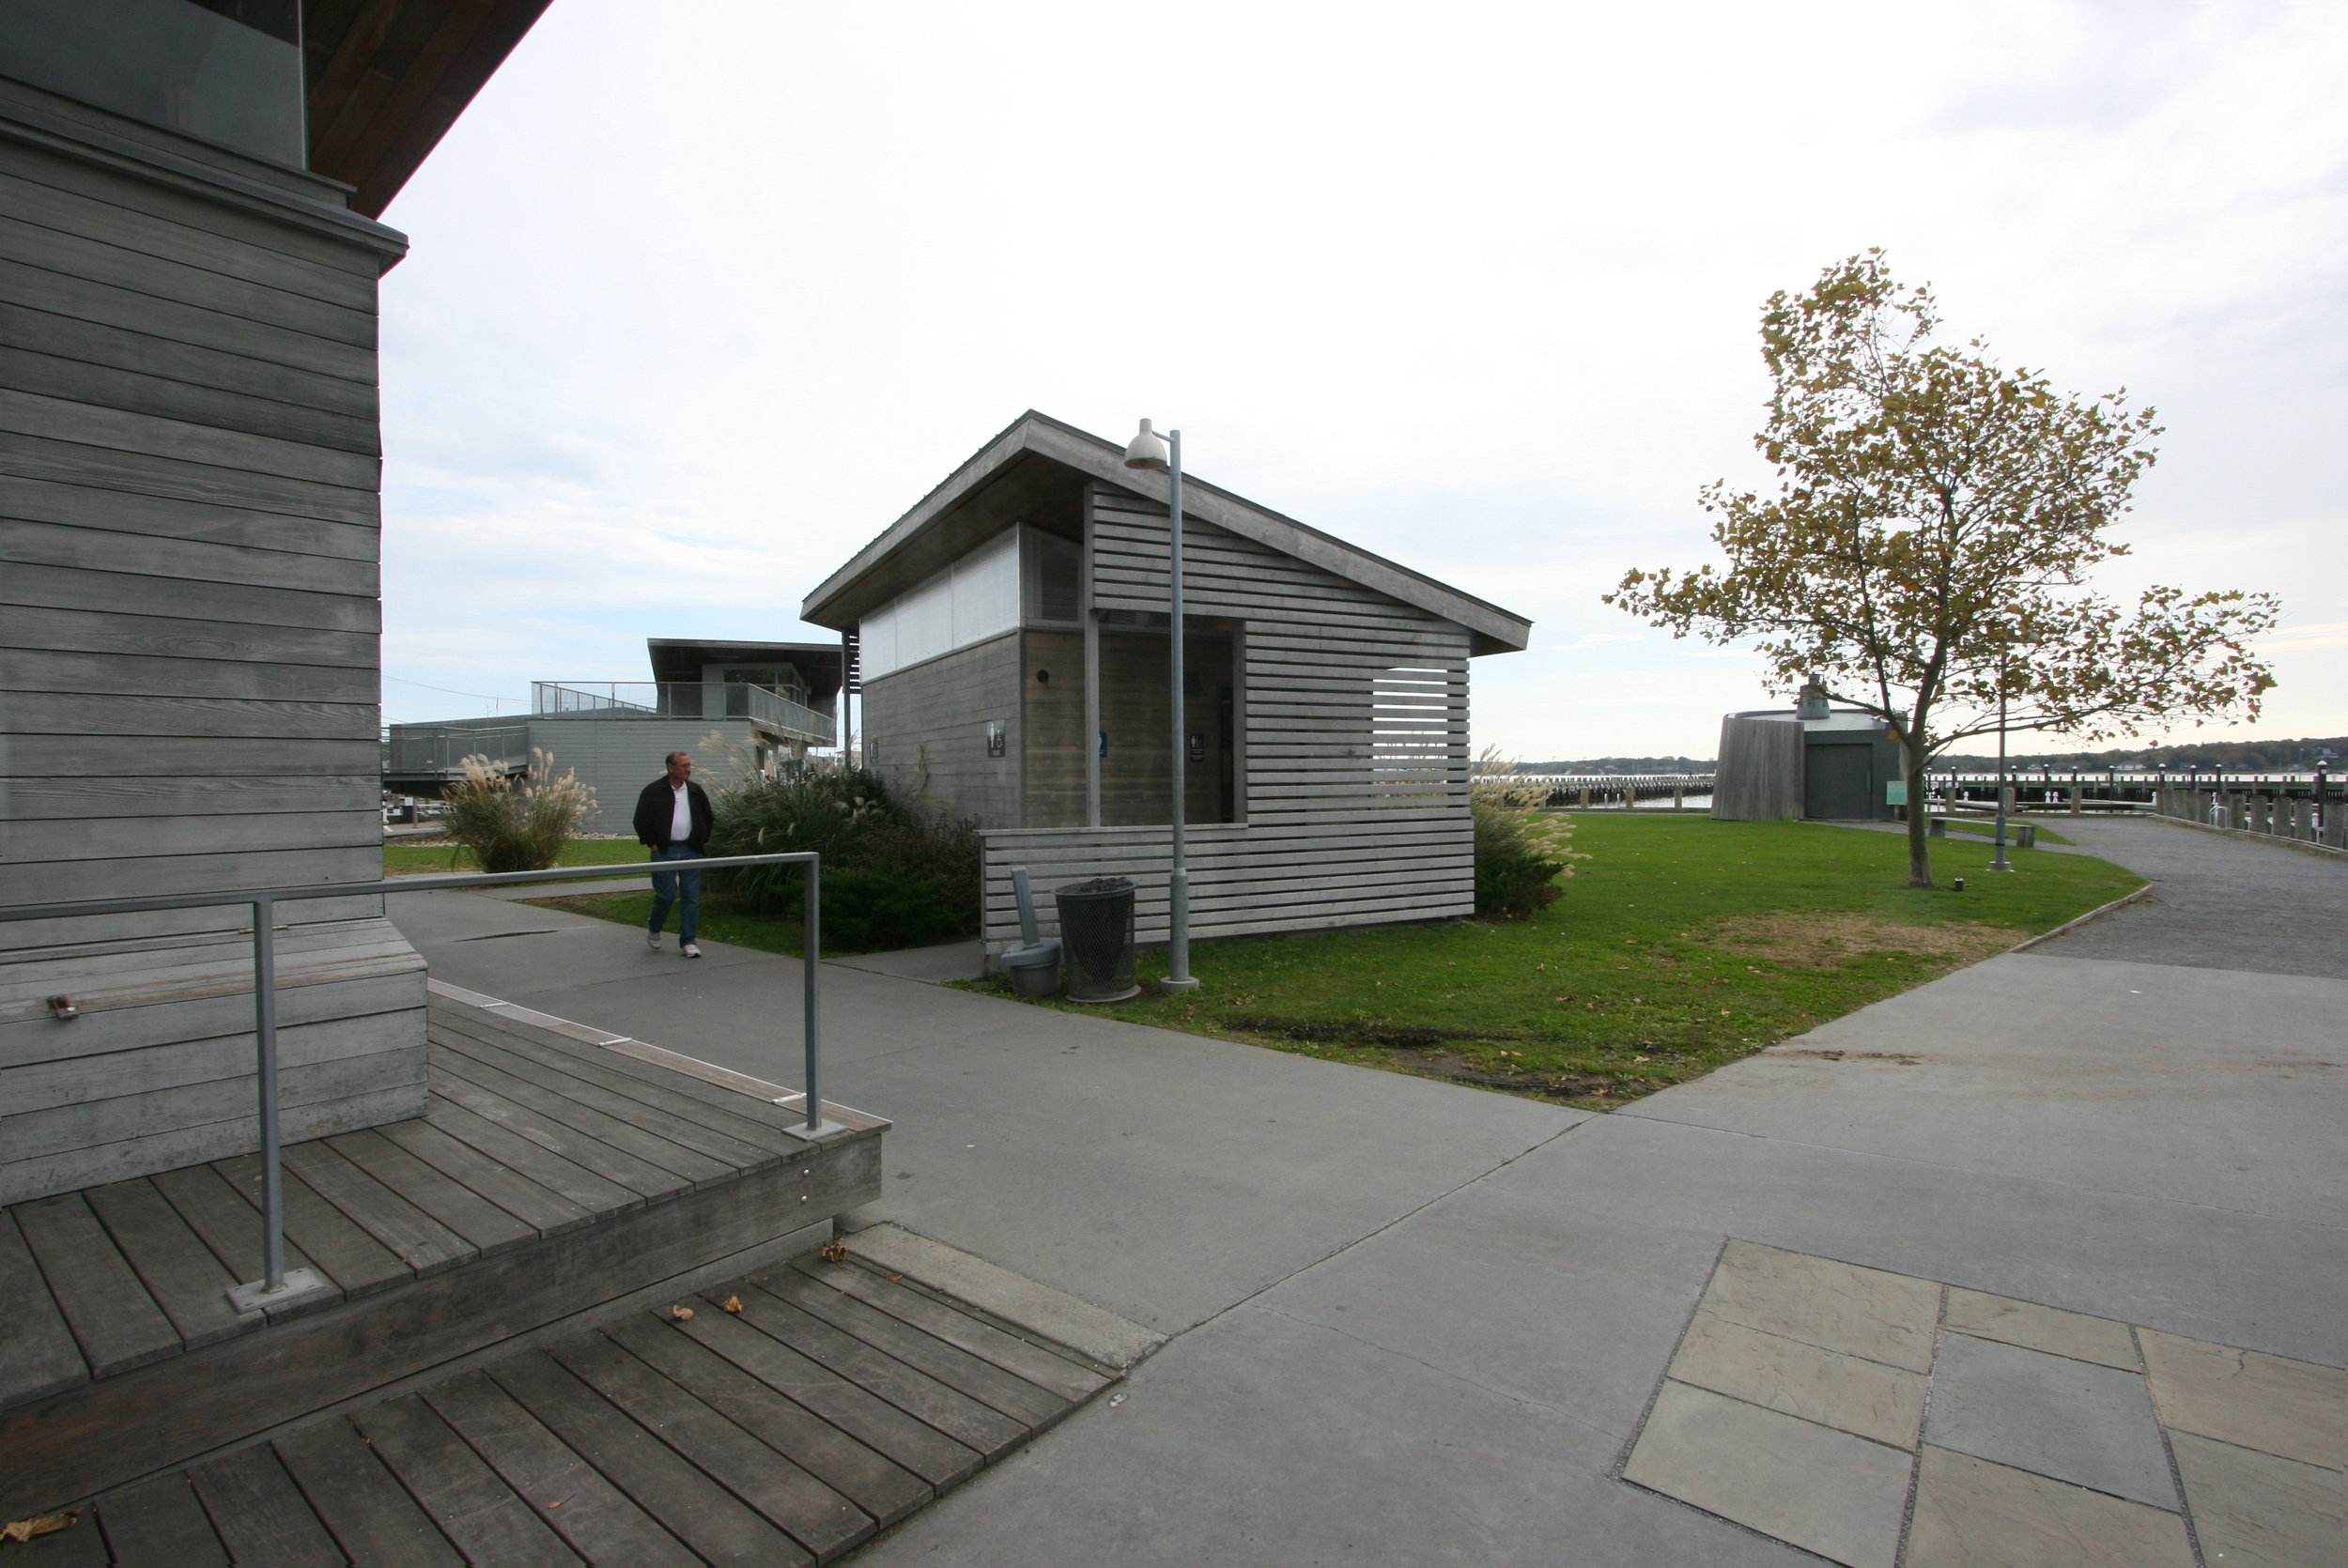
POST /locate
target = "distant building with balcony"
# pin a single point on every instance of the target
(734, 706)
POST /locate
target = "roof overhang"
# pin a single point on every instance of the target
(898, 559)
(385, 78)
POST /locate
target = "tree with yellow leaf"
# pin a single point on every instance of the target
(1927, 551)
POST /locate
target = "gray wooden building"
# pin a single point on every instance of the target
(188, 601)
(1012, 641)
(737, 707)
(1812, 761)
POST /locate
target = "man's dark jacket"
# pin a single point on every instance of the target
(656, 808)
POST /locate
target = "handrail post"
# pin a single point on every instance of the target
(264, 1049)
(811, 931)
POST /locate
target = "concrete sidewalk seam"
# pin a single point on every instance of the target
(2072, 925)
(1845, 1152)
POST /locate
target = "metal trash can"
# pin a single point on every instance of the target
(1096, 934)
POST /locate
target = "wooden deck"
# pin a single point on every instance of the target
(834, 1403)
(557, 1169)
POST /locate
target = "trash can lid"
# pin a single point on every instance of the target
(1098, 888)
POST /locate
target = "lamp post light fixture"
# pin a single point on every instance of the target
(1163, 453)
(1999, 863)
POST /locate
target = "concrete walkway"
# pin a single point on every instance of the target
(1416, 1322)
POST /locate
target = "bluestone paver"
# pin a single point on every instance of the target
(2255, 1511)
(1836, 1306)
(1825, 1491)
(2091, 1426)
(1971, 1514)
(1862, 1397)
(2277, 1405)
(2058, 1333)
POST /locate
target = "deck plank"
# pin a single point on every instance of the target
(469, 1501)
(709, 1520)
(1024, 1359)
(957, 1369)
(370, 1514)
(593, 1515)
(79, 1544)
(555, 1135)
(745, 1145)
(920, 1448)
(958, 1415)
(794, 1501)
(533, 1204)
(594, 1194)
(417, 1240)
(356, 1262)
(160, 1521)
(261, 1515)
(115, 1323)
(723, 1100)
(182, 1274)
(38, 1355)
(882, 1488)
(230, 1227)
(557, 1106)
(725, 1105)
(480, 1222)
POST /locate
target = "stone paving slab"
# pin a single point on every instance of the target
(2026, 1459)
(2255, 1511)
(1836, 1306)
(1824, 1491)
(1971, 1514)
(2049, 1329)
(2091, 1426)
(2292, 1408)
(1862, 1398)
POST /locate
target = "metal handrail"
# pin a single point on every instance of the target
(275, 1285)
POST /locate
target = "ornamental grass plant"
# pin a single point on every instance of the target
(517, 824)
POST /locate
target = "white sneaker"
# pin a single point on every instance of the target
(691, 950)
(652, 940)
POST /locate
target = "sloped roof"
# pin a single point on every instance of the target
(884, 566)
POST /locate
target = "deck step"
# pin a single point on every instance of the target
(836, 1401)
(550, 1176)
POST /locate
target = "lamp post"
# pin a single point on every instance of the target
(1149, 450)
(1999, 862)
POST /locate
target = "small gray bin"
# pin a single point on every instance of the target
(1034, 971)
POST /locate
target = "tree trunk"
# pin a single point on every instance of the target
(1918, 851)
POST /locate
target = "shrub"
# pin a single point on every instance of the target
(896, 874)
(1512, 876)
(516, 825)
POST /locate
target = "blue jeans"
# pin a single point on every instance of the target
(664, 893)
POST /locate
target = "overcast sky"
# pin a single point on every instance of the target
(703, 297)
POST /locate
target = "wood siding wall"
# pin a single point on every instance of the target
(925, 729)
(1351, 736)
(1759, 776)
(189, 623)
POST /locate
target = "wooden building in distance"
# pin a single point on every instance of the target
(1814, 762)
(1012, 645)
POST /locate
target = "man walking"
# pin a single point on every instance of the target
(673, 819)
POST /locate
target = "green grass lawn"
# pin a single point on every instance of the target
(1681, 943)
(408, 860)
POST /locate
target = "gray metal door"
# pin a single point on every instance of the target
(1838, 782)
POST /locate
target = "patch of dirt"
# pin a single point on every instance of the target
(1394, 1036)
(1830, 941)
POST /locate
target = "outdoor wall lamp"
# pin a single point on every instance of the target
(1163, 453)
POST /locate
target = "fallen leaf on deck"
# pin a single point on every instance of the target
(683, 1315)
(40, 1523)
(732, 1304)
(834, 1251)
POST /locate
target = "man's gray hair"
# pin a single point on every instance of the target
(670, 761)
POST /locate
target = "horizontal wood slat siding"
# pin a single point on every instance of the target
(1353, 748)
(189, 690)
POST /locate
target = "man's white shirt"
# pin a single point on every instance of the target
(681, 819)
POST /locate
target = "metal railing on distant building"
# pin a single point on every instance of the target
(761, 705)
